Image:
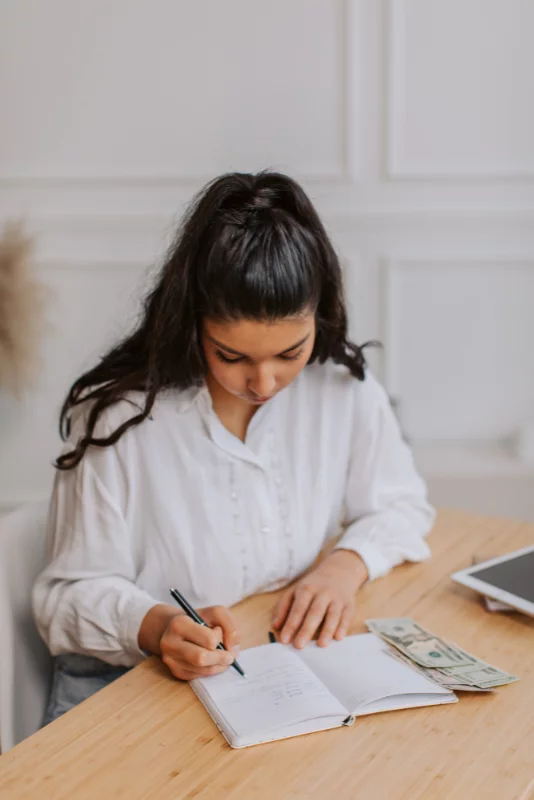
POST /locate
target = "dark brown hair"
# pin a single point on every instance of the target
(249, 247)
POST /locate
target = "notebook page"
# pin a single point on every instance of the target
(279, 690)
(400, 701)
(359, 670)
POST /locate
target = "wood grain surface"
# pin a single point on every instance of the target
(147, 736)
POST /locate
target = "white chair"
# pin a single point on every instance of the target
(25, 663)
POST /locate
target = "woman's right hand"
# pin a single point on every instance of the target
(190, 650)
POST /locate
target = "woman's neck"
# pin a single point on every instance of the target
(234, 413)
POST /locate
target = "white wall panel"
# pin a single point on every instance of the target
(171, 87)
(458, 336)
(461, 81)
(401, 118)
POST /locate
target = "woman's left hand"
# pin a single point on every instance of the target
(324, 596)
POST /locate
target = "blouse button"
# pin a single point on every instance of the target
(233, 496)
(265, 529)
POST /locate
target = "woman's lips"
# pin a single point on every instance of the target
(256, 400)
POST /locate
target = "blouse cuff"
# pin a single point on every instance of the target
(377, 565)
(363, 538)
(138, 608)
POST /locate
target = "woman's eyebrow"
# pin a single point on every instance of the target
(294, 347)
(244, 355)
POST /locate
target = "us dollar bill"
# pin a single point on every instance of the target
(483, 675)
(418, 646)
(436, 676)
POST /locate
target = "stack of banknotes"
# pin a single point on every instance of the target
(441, 661)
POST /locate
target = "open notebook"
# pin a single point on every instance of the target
(288, 692)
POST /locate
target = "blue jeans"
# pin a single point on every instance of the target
(77, 677)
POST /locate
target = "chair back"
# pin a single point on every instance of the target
(25, 662)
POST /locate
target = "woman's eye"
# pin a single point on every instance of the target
(226, 359)
(294, 357)
(236, 359)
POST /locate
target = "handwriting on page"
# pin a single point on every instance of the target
(274, 685)
(279, 690)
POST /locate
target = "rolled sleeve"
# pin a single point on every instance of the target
(387, 513)
(86, 599)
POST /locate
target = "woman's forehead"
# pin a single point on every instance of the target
(258, 338)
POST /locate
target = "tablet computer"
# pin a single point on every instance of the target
(508, 578)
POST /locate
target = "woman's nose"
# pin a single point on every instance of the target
(263, 383)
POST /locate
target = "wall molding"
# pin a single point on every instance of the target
(139, 241)
(70, 265)
(149, 222)
(397, 166)
(352, 72)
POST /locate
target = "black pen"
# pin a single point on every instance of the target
(190, 611)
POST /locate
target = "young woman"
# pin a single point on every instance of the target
(218, 448)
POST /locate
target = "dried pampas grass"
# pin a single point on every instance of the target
(22, 318)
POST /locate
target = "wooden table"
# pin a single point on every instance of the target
(147, 736)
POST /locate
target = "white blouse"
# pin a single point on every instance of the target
(180, 501)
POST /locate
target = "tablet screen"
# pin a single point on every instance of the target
(515, 576)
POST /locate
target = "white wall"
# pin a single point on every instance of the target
(409, 122)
